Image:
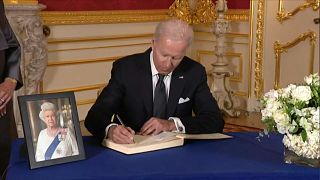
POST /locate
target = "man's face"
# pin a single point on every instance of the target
(168, 54)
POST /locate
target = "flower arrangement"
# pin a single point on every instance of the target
(294, 112)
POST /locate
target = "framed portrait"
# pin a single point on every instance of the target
(51, 128)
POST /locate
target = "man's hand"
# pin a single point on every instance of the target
(155, 126)
(121, 135)
(6, 92)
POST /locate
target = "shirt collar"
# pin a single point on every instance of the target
(154, 71)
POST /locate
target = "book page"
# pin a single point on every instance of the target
(162, 137)
(204, 136)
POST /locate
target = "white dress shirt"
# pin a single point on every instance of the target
(167, 80)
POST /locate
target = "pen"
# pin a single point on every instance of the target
(120, 120)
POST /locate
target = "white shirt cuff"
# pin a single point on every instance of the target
(107, 128)
(180, 127)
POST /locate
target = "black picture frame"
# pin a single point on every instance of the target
(39, 130)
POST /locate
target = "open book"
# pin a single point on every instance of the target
(146, 143)
(161, 141)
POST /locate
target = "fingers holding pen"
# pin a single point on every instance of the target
(121, 134)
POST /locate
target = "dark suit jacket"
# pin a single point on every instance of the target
(129, 94)
(9, 67)
(9, 51)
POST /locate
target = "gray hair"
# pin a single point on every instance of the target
(47, 106)
(174, 29)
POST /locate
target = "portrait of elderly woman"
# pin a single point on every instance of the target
(54, 141)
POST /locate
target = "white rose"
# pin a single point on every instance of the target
(282, 120)
(302, 93)
(281, 117)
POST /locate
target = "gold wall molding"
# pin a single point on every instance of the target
(97, 38)
(238, 78)
(102, 17)
(250, 49)
(240, 94)
(76, 89)
(21, 2)
(258, 84)
(227, 42)
(82, 61)
(282, 15)
(98, 47)
(237, 15)
(121, 16)
(85, 102)
(279, 48)
(228, 35)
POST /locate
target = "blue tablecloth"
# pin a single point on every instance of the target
(242, 157)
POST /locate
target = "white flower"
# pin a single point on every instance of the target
(302, 93)
(282, 120)
(308, 79)
(308, 149)
(288, 89)
(272, 95)
(305, 124)
(296, 115)
(315, 115)
(273, 105)
(266, 113)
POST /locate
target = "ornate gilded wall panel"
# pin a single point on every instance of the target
(282, 15)
(193, 12)
(281, 48)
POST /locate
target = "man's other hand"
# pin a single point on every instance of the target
(155, 126)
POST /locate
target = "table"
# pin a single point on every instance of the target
(242, 157)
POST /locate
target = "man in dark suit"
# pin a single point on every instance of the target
(10, 79)
(132, 92)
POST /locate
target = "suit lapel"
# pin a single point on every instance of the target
(176, 87)
(146, 83)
